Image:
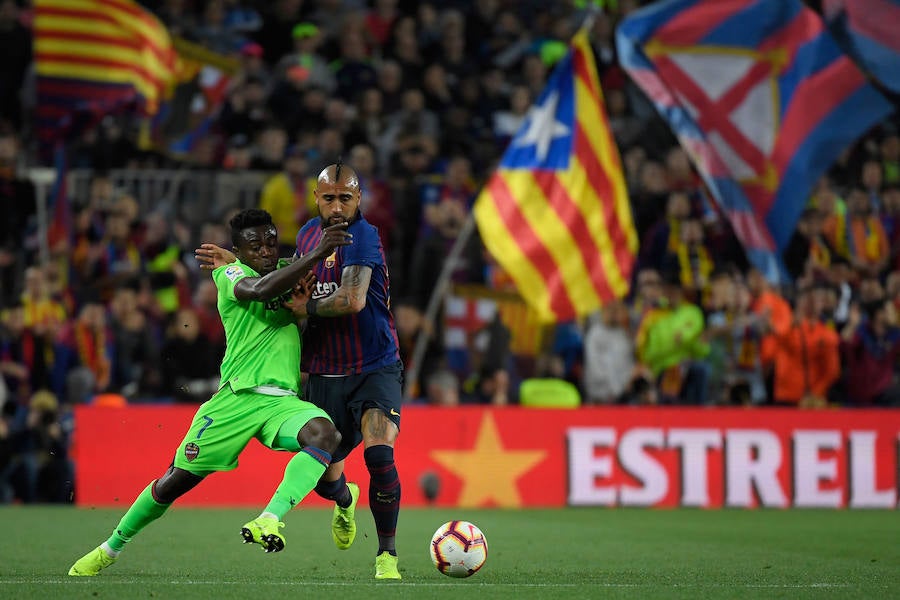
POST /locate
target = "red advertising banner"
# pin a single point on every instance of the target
(516, 457)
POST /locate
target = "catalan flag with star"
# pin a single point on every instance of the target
(556, 214)
(97, 57)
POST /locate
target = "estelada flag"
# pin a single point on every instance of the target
(97, 57)
(556, 214)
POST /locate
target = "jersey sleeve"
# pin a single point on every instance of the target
(365, 250)
(225, 278)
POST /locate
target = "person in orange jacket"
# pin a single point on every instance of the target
(773, 310)
(806, 355)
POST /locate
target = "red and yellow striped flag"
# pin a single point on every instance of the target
(99, 56)
(556, 213)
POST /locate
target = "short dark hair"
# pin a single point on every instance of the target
(872, 307)
(250, 217)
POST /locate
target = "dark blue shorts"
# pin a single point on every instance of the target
(346, 398)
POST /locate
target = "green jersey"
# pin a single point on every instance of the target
(262, 344)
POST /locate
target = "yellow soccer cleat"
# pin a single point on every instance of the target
(343, 520)
(91, 563)
(386, 566)
(264, 531)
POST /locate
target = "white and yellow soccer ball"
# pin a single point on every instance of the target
(458, 549)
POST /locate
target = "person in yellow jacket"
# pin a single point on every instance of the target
(670, 343)
(288, 197)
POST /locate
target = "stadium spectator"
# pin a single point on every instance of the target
(84, 355)
(609, 365)
(188, 360)
(859, 235)
(213, 31)
(134, 364)
(43, 312)
(16, 48)
(46, 449)
(872, 180)
(442, 389)
(288, 197)
(669, 343)
(692, 260)
(305, 65)
(507, 122)
(890, 158)
(376, 201)
(272, 144)
(734, 334)
(491, 365)
(166, 275)
(380, 19)
(204, 304)
(17, 202)
(870, 347)
(244, 111)
(353, 71)
(808, 253)
(806, 358)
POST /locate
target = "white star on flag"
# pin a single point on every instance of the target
(543, 127)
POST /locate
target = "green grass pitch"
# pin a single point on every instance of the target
(567, 553)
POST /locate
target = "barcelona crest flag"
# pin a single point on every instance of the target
(762, 99)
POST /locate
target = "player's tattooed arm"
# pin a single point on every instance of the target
(350, 297)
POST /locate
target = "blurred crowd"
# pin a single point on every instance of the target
(421, 99)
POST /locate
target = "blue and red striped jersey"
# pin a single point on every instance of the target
(355, 343)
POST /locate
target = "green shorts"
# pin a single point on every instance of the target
(225, 424)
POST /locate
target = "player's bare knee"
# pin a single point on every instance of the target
(174, 484)
(320, 433)
(378, 429)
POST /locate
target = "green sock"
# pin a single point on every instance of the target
(143, 511)
(300, 476)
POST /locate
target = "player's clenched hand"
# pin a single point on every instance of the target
(300, 295)
(211, 257)
(332, 237)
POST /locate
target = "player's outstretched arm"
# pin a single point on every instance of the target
(283, 280)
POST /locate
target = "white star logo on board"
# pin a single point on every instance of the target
(543, 127)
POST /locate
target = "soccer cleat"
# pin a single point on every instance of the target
(264, 532)
(343, 520)
(386, 566)
(91, 563)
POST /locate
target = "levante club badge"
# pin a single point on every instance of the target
(191, 451)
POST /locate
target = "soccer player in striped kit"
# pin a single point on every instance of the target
(353, 361)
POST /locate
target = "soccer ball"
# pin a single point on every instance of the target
(458, 549)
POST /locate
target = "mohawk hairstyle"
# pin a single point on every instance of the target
(251, 217)
(337, 169)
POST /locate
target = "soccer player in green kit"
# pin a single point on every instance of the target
(258, 394)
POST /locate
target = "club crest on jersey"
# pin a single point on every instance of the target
(191, 451)
(233, 272)
(329, 262)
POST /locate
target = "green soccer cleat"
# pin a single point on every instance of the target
(386, 566)
(264, 532)
(91, 563)
(343, 520)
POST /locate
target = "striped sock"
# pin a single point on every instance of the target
(384, 494)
